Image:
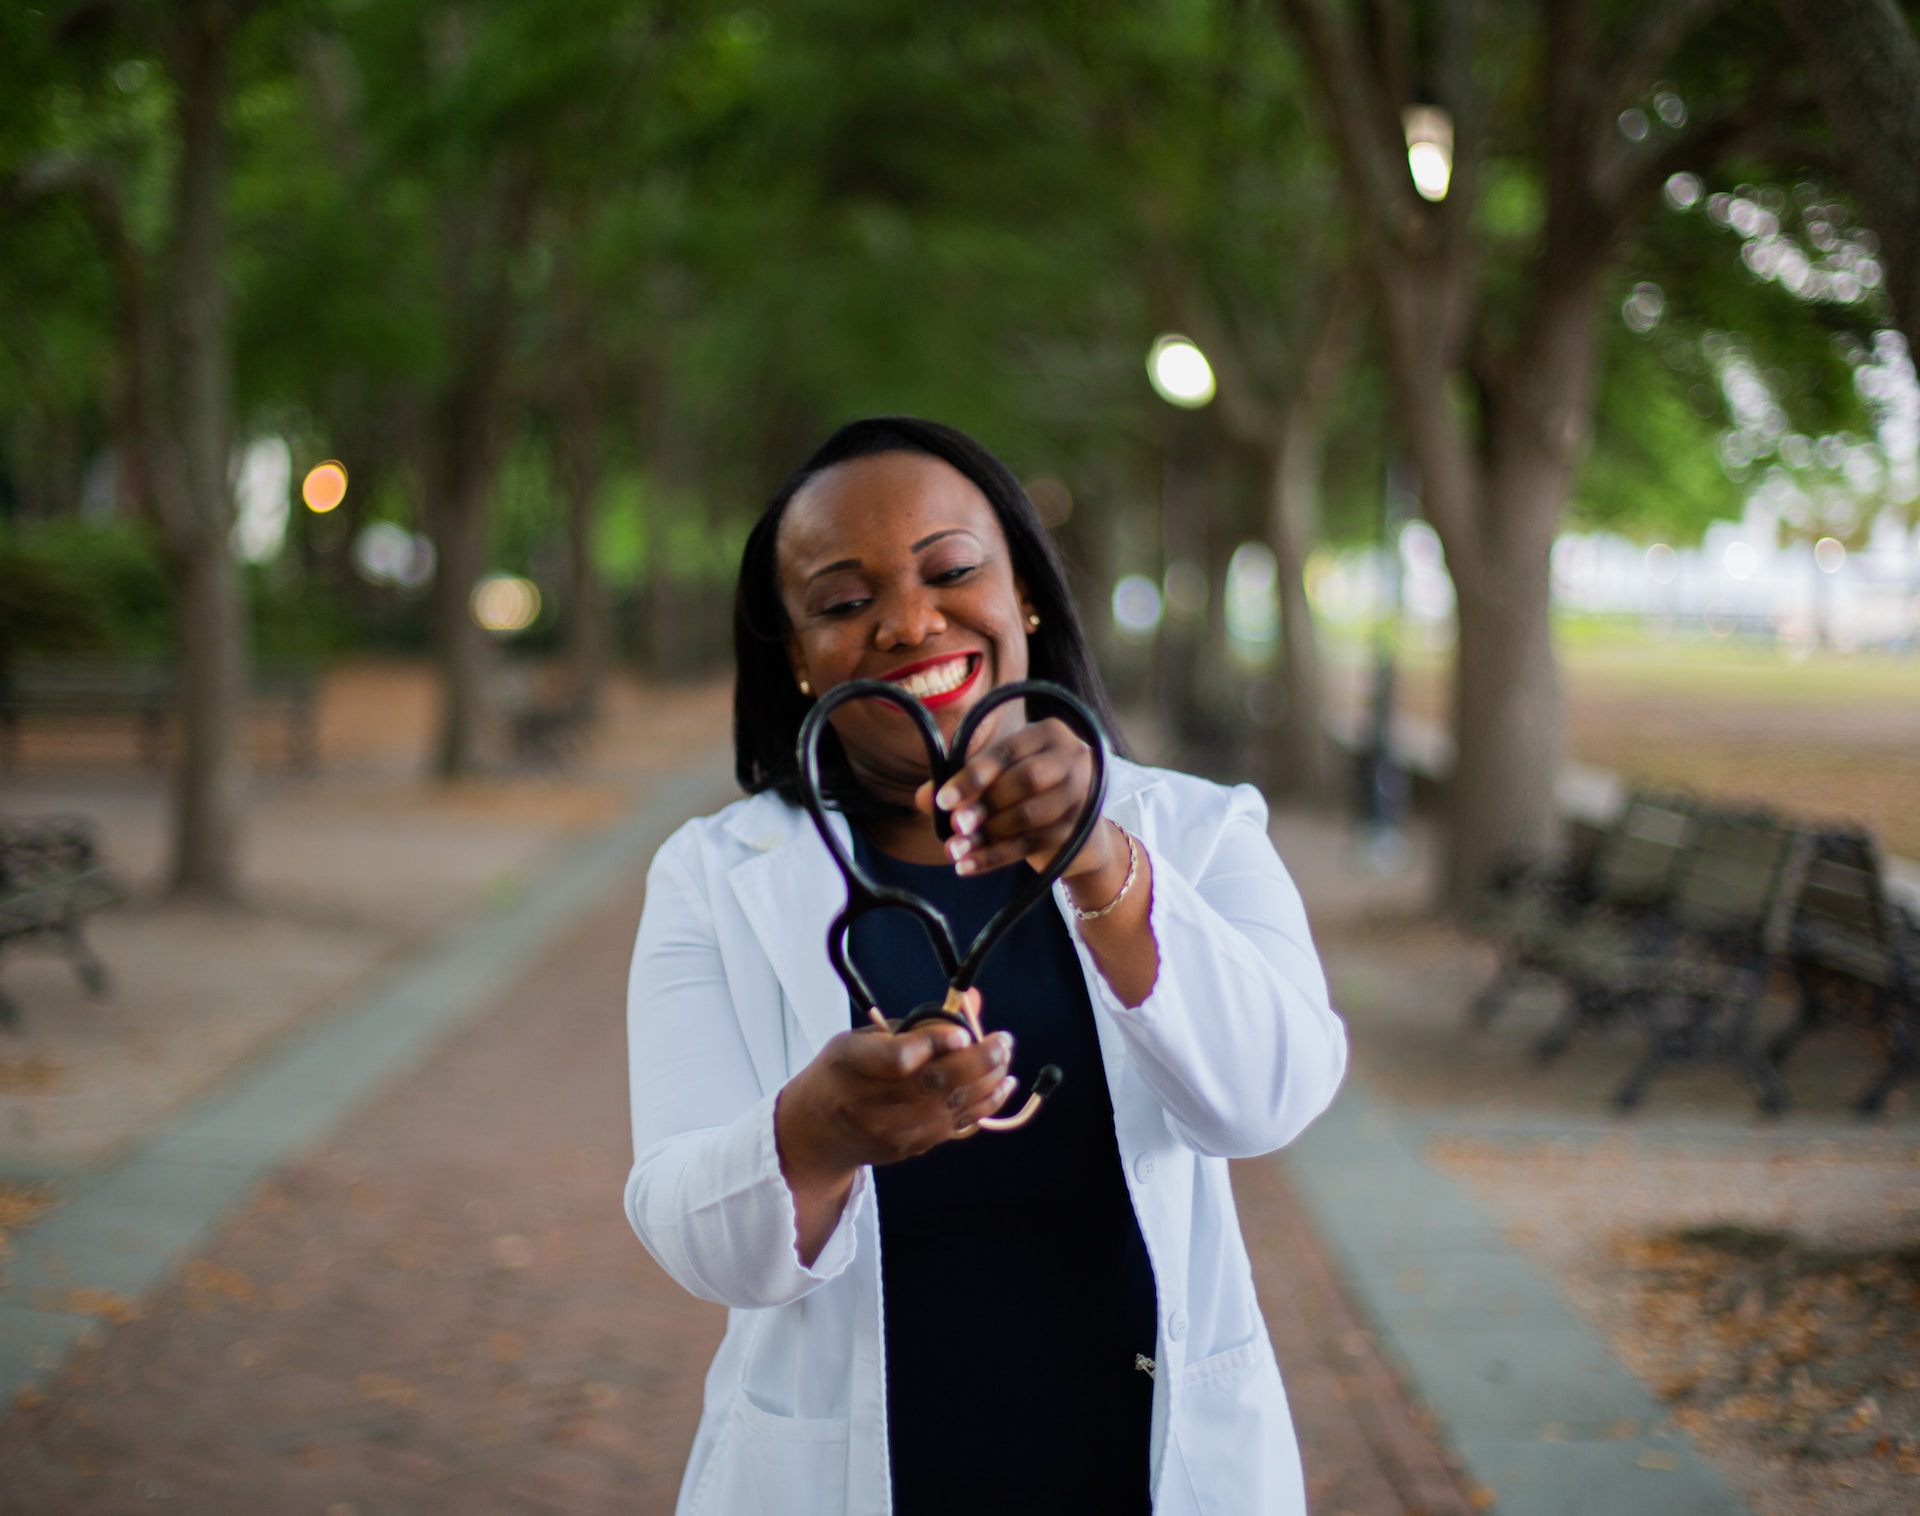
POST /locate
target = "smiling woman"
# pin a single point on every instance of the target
(1065, 1310)
(768, 704)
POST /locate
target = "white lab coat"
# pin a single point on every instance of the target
(731, 995)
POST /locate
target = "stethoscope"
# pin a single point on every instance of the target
(864, 895)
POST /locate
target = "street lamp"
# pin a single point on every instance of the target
(1429, 132)
(1179, 372)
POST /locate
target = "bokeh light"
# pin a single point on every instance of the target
(1185, 590)
(1429, 132)
(1051, 498)
(1136, 607)
(1663, 564)
(505, 603)
(1180, 372)
(1829, 553)
(1643, 308)
(1741, 560)
(387, 554)
(1683, 190)
(325, 486)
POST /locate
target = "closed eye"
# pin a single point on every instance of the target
(844, 607)
(953, 575)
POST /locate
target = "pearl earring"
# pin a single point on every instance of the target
(1033, 621)
(805, 688)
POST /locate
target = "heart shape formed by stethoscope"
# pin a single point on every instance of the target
(865, 895)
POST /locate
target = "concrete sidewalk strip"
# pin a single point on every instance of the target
(125, 1232)
(1541, 1414)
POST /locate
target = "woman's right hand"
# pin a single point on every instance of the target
(874, 1097)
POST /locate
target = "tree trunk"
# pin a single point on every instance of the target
(1865, 64)
(1300, 746)
(458, 519)
(1300, 752)
(1506, 729)
(1506, 705)
(210, 782)
(585, 635)
(195, 502)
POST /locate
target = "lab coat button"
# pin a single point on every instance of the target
(1143, 1167)
(1176, 1326)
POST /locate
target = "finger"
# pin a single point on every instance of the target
(1060, 770)
(1023, 803)
(947, 1078)
(923, 799)
(983, 767)
(967, 1123)
(1038, 847)
(900, 1055)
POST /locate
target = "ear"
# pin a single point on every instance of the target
(1026, 600)
(796, 661)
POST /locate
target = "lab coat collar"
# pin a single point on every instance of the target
(789, 891)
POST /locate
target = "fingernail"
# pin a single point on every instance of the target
(958, 848)
(967, 822)
(965, 866)
(1006, 1089)
(1001, 1052)
(947, 798)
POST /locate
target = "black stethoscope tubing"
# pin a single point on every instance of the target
(864, 895)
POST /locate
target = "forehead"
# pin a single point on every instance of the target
(868, 508)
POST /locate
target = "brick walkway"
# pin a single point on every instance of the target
(443, 1309)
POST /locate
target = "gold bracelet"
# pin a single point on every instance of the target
(1133, 872)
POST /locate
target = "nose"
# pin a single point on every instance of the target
(907, 619)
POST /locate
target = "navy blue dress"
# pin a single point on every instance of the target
(1017, 1287)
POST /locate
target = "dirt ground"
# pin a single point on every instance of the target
(1771, 1300)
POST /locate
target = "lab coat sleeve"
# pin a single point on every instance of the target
(705, 1194)
(1236, 1040)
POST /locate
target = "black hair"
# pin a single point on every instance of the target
(768, 707)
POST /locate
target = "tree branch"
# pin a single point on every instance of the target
(1365, 125)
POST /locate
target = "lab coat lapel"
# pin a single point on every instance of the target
(789, 892)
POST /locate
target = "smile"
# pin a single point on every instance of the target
(940, 681)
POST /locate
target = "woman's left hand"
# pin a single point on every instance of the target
(1017, 800)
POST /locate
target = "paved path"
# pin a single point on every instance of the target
(439, 1306)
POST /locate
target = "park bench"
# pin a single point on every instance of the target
(1728, 914)
(1852, 948)
(1677, 915)
(51, 879)
(1572, 923)
(144, 692)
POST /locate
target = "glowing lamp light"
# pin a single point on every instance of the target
(1179, 372)
(325, 486)
(505, 603)
(1429, 132)
(1829, 553)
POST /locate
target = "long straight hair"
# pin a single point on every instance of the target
(768, 707)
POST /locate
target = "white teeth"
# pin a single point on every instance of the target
(937, 681)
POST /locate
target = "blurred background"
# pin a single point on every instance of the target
(1455, 417)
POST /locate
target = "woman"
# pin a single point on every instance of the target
(1060, 1318)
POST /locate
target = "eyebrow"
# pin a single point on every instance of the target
(854, 563)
